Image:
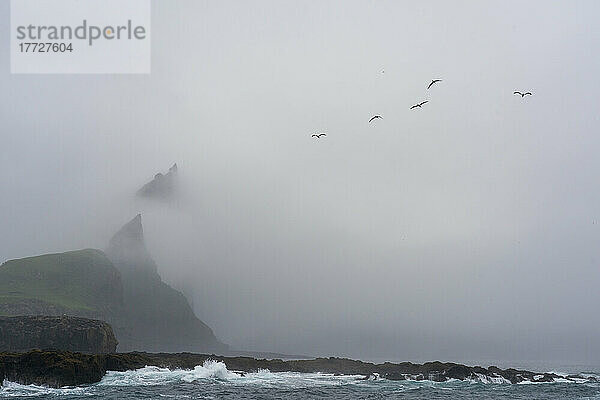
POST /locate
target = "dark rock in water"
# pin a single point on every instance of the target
(394, 376)
(57, 369)
(458, 372)
(24, 333)
(159, 318)
(53, 369)
(162, 187)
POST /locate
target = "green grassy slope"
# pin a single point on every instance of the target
(81, 282)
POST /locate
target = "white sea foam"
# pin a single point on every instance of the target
(589, 375)
(563, 380)
(152, 376)
(216, 370)
(295, 379)
(481, 378)
(11, 389)
(563, 374)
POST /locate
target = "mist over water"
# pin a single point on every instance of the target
(465, 230)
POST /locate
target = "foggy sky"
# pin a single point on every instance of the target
(465, 230)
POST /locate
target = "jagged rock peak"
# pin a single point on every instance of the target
(131, 233)
(162, 186)
(127, 249)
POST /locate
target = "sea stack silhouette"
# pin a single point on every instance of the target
(162, 187)
(127, 249)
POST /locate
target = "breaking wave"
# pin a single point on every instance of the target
(216, 370)
(159, 376)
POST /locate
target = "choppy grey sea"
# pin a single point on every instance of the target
(213, 381)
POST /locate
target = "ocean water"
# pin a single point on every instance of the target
(213, 381)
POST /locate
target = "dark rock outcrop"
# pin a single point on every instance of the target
(53, 369)
(162, 187)
(159, 317)
(24, 333)
(65, 368)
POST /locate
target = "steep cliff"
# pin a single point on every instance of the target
(159, 317)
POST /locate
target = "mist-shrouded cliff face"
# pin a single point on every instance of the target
(121, 287)
(127, 249)
(159, 317)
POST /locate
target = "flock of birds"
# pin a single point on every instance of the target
(418, 105)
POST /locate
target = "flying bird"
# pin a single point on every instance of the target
(433, 81)
(419, 104)
(375, 117)
(522, 94)
(318, 135)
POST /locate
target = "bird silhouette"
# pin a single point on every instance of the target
(522, 94)
(433, 81)
(419, 104)
(375, 117)
(318, 135)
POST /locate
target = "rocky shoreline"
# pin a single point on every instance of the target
(62, 368)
